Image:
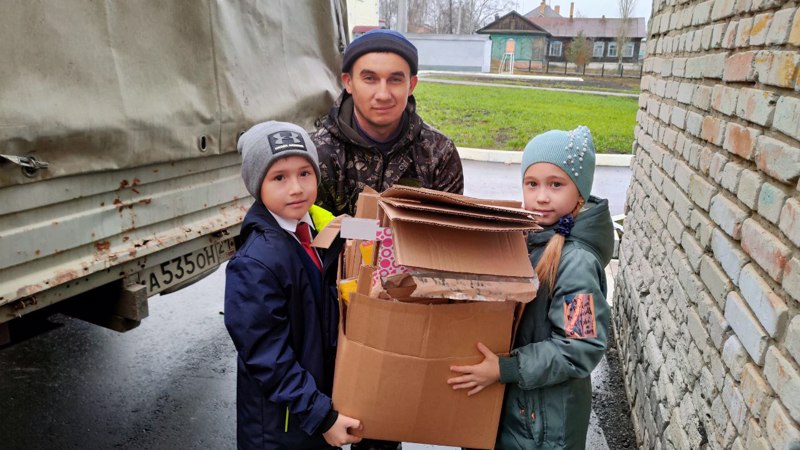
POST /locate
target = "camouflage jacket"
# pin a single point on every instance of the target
(422, 157)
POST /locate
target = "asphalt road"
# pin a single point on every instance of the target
(504, 181)
(170, 383)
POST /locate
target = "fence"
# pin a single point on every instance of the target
(605, 70)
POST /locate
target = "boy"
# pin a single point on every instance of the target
(279, 311)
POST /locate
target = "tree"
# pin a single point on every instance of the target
(625, 12)
(474, 14)
(579, 51)
(387, 10)
(446, 16)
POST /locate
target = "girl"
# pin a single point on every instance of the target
(562, 334)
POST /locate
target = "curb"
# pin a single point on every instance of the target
(515, 157)
(501, 76)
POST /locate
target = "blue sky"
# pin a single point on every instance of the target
(590, 8)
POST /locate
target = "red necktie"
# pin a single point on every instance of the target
(304, 236)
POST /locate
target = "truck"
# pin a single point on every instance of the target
(119, 174)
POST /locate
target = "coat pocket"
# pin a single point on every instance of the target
(553, 404)
(534, 417)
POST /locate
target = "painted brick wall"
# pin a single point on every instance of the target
(707, 303)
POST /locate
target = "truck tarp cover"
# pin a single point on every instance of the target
(100, 85)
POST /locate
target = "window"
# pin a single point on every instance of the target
(555, 48)
(612, 49)
(627, 52)
(599, 48)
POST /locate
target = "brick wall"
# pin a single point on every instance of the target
(707, 303)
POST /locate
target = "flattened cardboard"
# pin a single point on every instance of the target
(459, 211)
(400, 287)
(367, 204)
(352, 258)
(365, 274)
(455, 286)
(394, 360)
(429, 195)
(327, 235)
(467, 251)
(441, 218)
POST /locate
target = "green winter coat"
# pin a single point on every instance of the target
(549, 393)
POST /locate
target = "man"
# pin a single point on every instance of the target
(372, 135)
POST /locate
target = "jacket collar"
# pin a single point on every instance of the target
(341, 116)
(593, 228)
(258, 218)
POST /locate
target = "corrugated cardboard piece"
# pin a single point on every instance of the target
(392, 367)
(400, 334)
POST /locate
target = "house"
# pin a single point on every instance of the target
(358, 30)
(514, 33)
(601, 32)
(362, 13)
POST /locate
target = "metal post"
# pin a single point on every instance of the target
(602, 69)
(451, 16)
(402, 16)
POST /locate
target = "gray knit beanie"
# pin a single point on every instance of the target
(267, 142)
(572, 151)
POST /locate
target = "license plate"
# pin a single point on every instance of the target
(185, 267)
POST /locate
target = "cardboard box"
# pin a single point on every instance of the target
(393, 362)
(394, 357)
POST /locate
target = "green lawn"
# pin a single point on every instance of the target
(625, 87)
(507, 118)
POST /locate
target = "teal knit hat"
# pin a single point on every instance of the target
(572, 151)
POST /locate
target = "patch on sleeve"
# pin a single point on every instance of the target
(579, 321)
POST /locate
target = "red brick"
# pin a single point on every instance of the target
(739, 67)
(713, 130)
(740, 140)
(765, 249)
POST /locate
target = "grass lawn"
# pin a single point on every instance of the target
(507, 118)
(627, 86)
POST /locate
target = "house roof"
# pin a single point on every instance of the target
(364, 28)
(591, 27)
(537, 12)
(513, 23)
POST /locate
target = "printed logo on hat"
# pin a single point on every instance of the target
(286, 140)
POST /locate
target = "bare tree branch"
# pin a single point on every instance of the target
(625, 12)
(446, 16)
(387, 10)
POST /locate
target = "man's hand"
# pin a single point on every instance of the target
(338, 435)
(477, 377)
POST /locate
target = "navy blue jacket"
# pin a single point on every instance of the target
(282, 317)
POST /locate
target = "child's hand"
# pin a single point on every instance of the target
(338, 435)
(478, 376)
